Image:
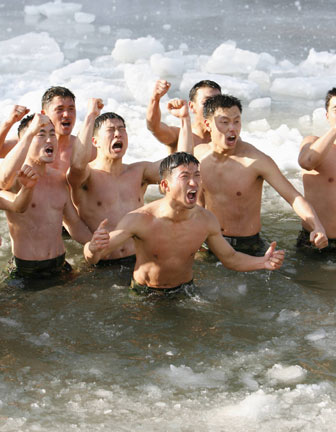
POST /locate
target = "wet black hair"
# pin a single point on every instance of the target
(201, 84)
(175, 160)
(56, 91)
(24, 123)
(331, 93)
(220, 101)
(103, 117)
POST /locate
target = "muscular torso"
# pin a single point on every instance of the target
(320, 191)
(37, 233)
(108, 196)
(165, 250)
(232, 190)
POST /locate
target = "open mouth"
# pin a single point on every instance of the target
(191, 195)
(231, 139)
(117, 146)
(66, 124)
(49, 151)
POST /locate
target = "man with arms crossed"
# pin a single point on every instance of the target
(107, 188)
(233, 172)
(318, 159)
(168, 232)
(169, 135)
(37, 243)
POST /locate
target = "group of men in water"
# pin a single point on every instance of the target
(211, 184)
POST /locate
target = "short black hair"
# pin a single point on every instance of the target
(174, 160)
(201, 84)
(56, 91)
(331, 93)
(103, 117)
(220, 101)
(24, 123)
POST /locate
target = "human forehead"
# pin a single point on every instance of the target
(190, 168)
(231, 112)
(60, 102)
(206, 92)
(112, 123)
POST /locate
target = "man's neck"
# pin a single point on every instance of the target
(174, 211)
(39, 167)
(107, 164)
(199, 129)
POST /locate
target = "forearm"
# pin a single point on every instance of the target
(79, 231)
(14, 161)
(153, 116)
(22, 200)
(307, 213)
(82, 149)
(91, 257)
(241, 262)
(185, 142)
(4, 129)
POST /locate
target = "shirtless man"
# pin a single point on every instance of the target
(168, 232)
(107, 188)
(169, 135)
(318, 159)
(58, 103)
(36, 235)
(233, 172)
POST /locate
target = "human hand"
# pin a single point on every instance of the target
(95, 106)
(273, 258)
(39, 120)
(27, 177)
(178, 107)
(100, 239)
(17, 113)
(319, 239)
(160, 89)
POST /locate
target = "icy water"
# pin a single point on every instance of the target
(253, 351)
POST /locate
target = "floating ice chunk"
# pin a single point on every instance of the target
(305, 121)
(256, 406)
(165, 66)
(241, 88)
(72, 69)
(130, 50)
(227, 59)
(316, 335)
(166, 26)
(56, 8)
(287, 315)
(184, 376)
(319, 117)
(31, 51)
(261, 78)
(140, 79)
(10, 322)
(319, 62)
(84, 18)
(260, 103)
(303, 87)
(286, 374)
(259, 125)
(266, 62)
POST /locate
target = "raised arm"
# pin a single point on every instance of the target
(300, 205)
(179, 108)
(82, 148)
(16, 114)
(16, 157)
(314, 149)
(19, 202)
(238, 261)
(166, 134)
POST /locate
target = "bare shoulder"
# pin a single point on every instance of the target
(201, 150)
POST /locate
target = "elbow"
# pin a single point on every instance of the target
(307, 163)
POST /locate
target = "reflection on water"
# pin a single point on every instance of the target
(251, 351)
